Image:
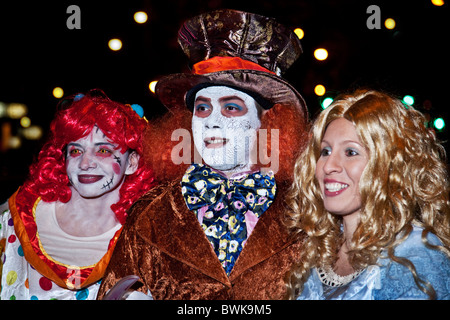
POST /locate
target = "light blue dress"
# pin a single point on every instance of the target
(389, 280)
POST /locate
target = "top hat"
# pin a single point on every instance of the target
(245, 51)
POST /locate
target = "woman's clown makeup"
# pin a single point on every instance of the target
(224, 126)
(95, 165)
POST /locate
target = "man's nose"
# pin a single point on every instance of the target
(215, 119)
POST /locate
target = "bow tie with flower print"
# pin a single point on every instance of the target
(224, 205)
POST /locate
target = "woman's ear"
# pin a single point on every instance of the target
(133, 162)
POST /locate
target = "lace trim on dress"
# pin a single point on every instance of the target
(328, 277)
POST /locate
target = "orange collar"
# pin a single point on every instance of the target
(22, 206)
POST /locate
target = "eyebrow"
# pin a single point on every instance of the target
(345, 142)
(95, 144)
(202, 99)
(231, 98)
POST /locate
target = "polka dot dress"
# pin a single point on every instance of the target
(20, 281)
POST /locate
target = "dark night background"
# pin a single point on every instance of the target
(38, 52)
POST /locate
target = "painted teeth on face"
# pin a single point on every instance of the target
(333, 187)
(215, 140)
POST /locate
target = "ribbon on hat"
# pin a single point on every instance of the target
(225, 206)
(216, 64)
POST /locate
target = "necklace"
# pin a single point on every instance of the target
(332, 279)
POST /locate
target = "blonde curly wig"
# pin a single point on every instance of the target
(405, 183)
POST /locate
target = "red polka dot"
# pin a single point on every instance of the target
(11, 238)
(45, 284)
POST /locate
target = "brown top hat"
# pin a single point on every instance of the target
(241, 50)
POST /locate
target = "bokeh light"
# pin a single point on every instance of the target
(389, 23)
(409, 100)
(299, 32)
(115, 44)
(319, 90)
(152, 86)
(25, 122)
(439, 123)
(321, 54)
(3, 107)
(16, 110)
(33, 132)
(438, 3)
(140, 17)
(14, 142)
(58, 92)
(326, 102)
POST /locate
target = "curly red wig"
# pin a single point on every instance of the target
(293, 135)
(75, 118)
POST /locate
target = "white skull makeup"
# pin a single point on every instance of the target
(95, 166)
(224, 126)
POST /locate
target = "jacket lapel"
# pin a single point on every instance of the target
(175, 230)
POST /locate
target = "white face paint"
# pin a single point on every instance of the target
(224, 126)
(94, 165)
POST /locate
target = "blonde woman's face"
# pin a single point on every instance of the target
(339, 168)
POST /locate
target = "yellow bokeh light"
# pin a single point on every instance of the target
(299, 32)
(58, 92)
(115, 44)
(438, 2)
(14, 142)
(140, 17)
(389, 23)
(3, 107)
(152, 86)
(321, 54)
(16, 110)
(33, 132)
(25, 122)
(319, 90)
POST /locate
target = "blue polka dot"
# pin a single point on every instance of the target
(82, 294)
(20, 251)
(34, 298)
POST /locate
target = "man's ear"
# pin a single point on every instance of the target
(133, 162)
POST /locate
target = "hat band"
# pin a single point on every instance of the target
(217, 63)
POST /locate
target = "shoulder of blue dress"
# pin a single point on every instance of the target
(431, 265)
(412, 246)
(414, 240)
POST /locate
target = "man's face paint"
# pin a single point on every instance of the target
(95, 165)
(224, 125)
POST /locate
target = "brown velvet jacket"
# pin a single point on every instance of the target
(164, 244)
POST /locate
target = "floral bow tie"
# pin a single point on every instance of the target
(224, 205)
